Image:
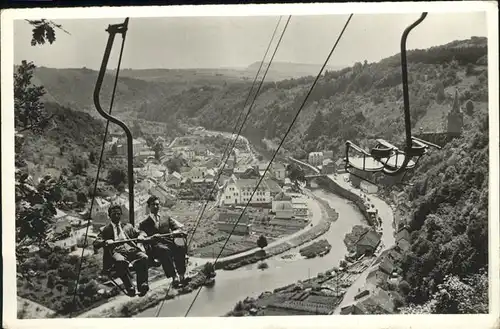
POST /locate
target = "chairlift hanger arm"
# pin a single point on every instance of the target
(406, 100)
(113, 30)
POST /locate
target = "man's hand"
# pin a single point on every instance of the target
(143, 239)
(108, 242)
(179, 233)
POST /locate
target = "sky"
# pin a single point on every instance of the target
(214, 42)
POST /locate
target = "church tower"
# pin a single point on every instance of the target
(455, 117)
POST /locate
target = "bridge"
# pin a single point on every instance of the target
(306, 166)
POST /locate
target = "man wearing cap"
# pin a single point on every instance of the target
(124, 254)
(163, 248)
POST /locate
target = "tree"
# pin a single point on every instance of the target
(43, 31)
(456, 296)
(78, 165)
(136, 129)
(440, 95)
(208, 270)
(262, 242)
(174, 165)
(92, 157)
(117, 176)
(469, 107)
(114, 149)
(158, 149)
(81, 197)
(150, 142)
(295, 173)
(35, 210)
(29, 111)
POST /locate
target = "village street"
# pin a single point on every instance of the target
(387, 240)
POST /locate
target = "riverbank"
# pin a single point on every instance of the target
(308, 297)
(316, 296)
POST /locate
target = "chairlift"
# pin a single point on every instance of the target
(179, 240)
(385, 157)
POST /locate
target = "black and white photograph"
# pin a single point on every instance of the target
(292, 163)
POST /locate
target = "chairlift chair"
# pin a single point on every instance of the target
(385, 157)
(113, 30)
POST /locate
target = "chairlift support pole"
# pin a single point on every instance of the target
(113, 30)
(406, 101)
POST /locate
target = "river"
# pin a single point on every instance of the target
(232, 286)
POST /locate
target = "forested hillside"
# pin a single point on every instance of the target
(449, 226)
(360, 102)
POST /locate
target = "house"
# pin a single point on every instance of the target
(376, 277)
(239, 191)
(210, 174)
(227, 219)
(300, 209)
(381, 270)
(173, 180)
(228, 169)
(100, 206)
(368, 188)
(315, 158)
(403, 239)
(138, 145)
(274, 188)
(327, 155)
(196, 173)
(188, 153)
(340, 166)
(282, 206)
(261, 168)
(140, 207)
(160, 139)
(367, 243)
(279, 171)
(403, 233)
(144, 155)
(161, 192)
(328, 167)
(377, 301)
(246, 172)
(392, 254)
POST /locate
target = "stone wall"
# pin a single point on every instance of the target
(333, 187)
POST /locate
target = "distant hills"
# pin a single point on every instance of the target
(287, 70)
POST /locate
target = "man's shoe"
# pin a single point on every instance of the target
(131, 291)
(175, 282)
(143, 290)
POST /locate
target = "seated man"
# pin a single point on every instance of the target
(163, 248)
(123, 254)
